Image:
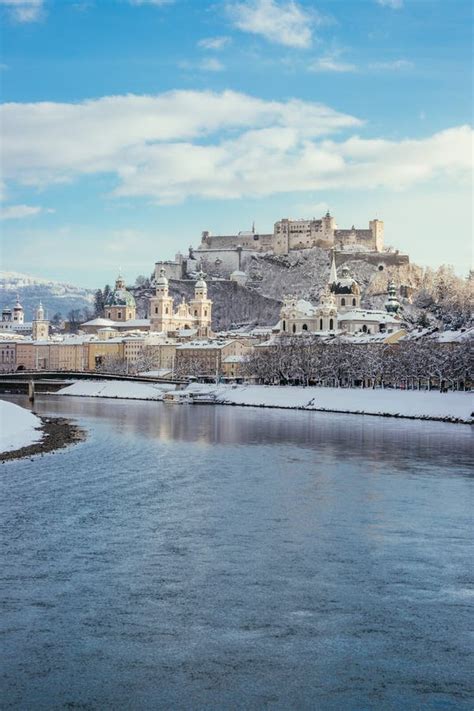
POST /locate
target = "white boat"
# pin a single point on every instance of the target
(177, 397)
(204, 399)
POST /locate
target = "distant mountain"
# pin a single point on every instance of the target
(56, 297)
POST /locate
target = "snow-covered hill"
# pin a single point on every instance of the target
(56, 297)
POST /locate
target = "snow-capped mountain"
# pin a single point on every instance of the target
(56, 297)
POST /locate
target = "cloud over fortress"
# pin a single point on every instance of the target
(220, 145)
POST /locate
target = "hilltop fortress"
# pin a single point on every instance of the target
(289, 235)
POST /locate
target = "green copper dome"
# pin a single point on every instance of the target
(120, 296)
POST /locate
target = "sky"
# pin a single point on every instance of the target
(130, 126)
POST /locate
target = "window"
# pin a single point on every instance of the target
(156, 309)
(305, 327)
(354, 302)
(343, 302)
(195, 312)
(294, 328)
(205, 313)
(284, 325)
(166, 310)
(320, 324)
(331, 324)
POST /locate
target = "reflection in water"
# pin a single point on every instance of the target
(217, 557)
(386, 440)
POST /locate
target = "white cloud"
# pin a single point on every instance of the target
(214, 43)
(216, 145)
(393, 4)
(396, 65)
(279, 21)
(24, 10)
(211, 65)
(18, 212)
(330, 63)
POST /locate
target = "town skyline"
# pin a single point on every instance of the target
(122, 144)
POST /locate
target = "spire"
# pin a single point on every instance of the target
(253, 227)
(392, 305)
(333, 272)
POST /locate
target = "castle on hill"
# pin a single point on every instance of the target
(289, 235)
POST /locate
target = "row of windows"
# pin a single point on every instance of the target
(343, 302)
(304, 327)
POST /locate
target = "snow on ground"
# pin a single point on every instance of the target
(411, 403)
(404, 403)
(18, 427)
(116, 389)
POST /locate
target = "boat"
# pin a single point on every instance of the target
(204, 399)
(176, 397)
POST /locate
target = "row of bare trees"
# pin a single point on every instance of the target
(422, 363)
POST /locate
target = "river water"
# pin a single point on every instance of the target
(190, 557)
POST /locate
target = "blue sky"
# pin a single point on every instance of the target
(132, 125)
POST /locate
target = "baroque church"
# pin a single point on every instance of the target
(193, 316)
(339, 310)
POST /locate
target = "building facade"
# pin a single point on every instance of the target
(195, 315)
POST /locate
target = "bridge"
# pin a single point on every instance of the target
(51, 381)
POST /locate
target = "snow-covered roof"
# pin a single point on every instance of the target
(99, 322)
(234, 359)
(186, 332)
(367, 315)
(203, 345)
(132, 323)
(373, 337)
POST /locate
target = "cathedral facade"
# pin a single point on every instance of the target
(195, 315)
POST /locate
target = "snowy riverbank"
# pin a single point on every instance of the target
(117, 389)
(433, 405)
(18, 427)
(452, 406)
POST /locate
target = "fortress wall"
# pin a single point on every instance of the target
(247, 241)
(222, 262)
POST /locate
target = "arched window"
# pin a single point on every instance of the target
(331, 324)
(205, 313)
(195, 312)
(354, 302)
(166, 310)
(294, 328)
(364, 328)
(284, 325)
(343, 302)
(305, 327)
(320, 324)
(156, 309)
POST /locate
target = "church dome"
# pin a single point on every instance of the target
(200, 284)
(120, 296)
(345, 284)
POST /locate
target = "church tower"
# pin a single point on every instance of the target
(161, 306)
(201, 308)
(18, 313)
(392, 305)
(40, 330)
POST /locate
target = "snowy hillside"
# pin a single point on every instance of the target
(57, 297)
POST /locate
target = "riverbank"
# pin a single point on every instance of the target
(24, 434)
(454, 407)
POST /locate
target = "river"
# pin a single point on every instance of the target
(188, 557)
